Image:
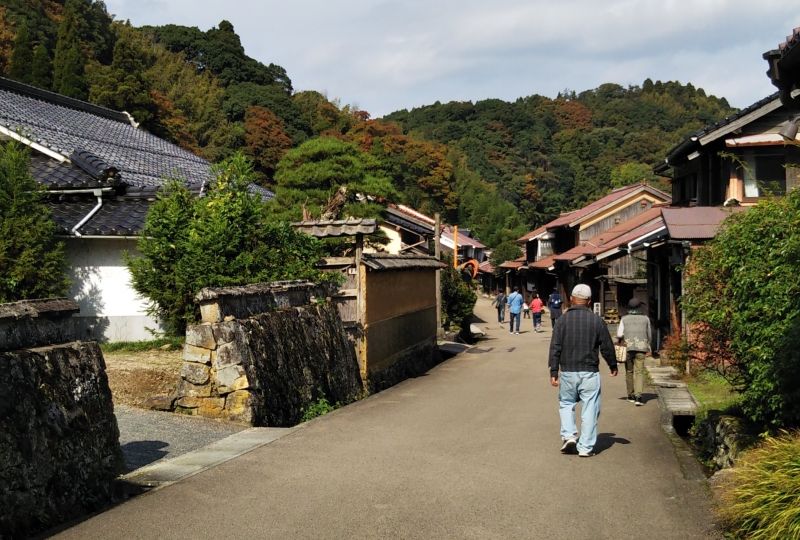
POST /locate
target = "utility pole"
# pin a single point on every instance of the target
(455, 246)
(437, 250)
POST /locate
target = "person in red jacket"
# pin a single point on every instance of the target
(536, 309)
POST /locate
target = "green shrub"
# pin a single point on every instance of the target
(761, 498)
(224, 238)
(318, 408)
(743, 299)
(32, 262)
(458, 298)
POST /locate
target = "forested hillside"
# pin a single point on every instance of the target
(498, 168)
(546, 155)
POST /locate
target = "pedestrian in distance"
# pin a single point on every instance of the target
(634, 329)
(536, 311)
(554, 306)
(514, 302)
(574, 368)
(500, 302)
(526, 310)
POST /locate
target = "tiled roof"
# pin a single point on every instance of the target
(117, 217)
(66, 126)
(340, 227)
(533, 234)
(591, 209)
(613, 237)
(383, 262)
(486, 267)
(55, 175)
(784, 64)
(463, 239)
(543, 264)
(697, 222)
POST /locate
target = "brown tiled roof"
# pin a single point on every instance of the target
(612, 237)
(543, 264)
(598, 205)
(695, 223)
(533, 234)
(486, 267)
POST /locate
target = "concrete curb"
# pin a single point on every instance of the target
(164, 473)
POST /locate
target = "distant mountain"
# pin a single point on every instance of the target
(496, 167)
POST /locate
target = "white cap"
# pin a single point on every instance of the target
(582, 291)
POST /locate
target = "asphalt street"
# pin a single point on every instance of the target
(469, 450)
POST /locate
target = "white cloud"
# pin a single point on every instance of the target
(392, 54)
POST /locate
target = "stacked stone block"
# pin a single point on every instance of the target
(264, 353)
(59, 440)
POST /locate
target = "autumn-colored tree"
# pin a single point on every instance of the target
(572, 114)
(6, 39)
(265, 138)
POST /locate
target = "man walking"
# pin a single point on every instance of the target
(515, 302)
(500, 302)
(554, 306)
(634, 328)
(577, 336)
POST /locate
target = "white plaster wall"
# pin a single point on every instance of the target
(101, 284)
(395, 243)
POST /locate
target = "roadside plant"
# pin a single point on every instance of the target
(224, 238)
(742, 299)
(760, 499)
(318, 408)
(32, 261)
(458, 298)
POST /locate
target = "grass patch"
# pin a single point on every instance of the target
(761, 497)
(713, 392)
(171, 343)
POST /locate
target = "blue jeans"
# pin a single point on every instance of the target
(537, 320)
(501, 312)
(583, 386)
(514, 317)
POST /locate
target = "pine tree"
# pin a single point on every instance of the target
(68, 61)
(22, 56)
(41, 69)
(32, 260)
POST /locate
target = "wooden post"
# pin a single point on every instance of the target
(437, 251)
(361, 315)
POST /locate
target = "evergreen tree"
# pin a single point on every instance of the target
(122, 85)
(41, 69)
(32, 260)
(68, 61)
(22, 56)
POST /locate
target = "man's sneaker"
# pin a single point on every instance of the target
(585, 453)
(516, 333)
(569, 446)
(631, 398)
(638, 402)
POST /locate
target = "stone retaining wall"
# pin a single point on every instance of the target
(265, 369)
(721, 438)
(59, 441)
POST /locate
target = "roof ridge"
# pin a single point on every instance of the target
(58, 99)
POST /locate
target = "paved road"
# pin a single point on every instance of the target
(470, 450)
(149, 436)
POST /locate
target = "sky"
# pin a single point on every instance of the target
(385, 55)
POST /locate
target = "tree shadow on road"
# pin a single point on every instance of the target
(607, 440)
(140, 453)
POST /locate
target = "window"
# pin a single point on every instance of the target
(764, 175)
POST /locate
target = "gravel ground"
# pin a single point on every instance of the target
(149, 436)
